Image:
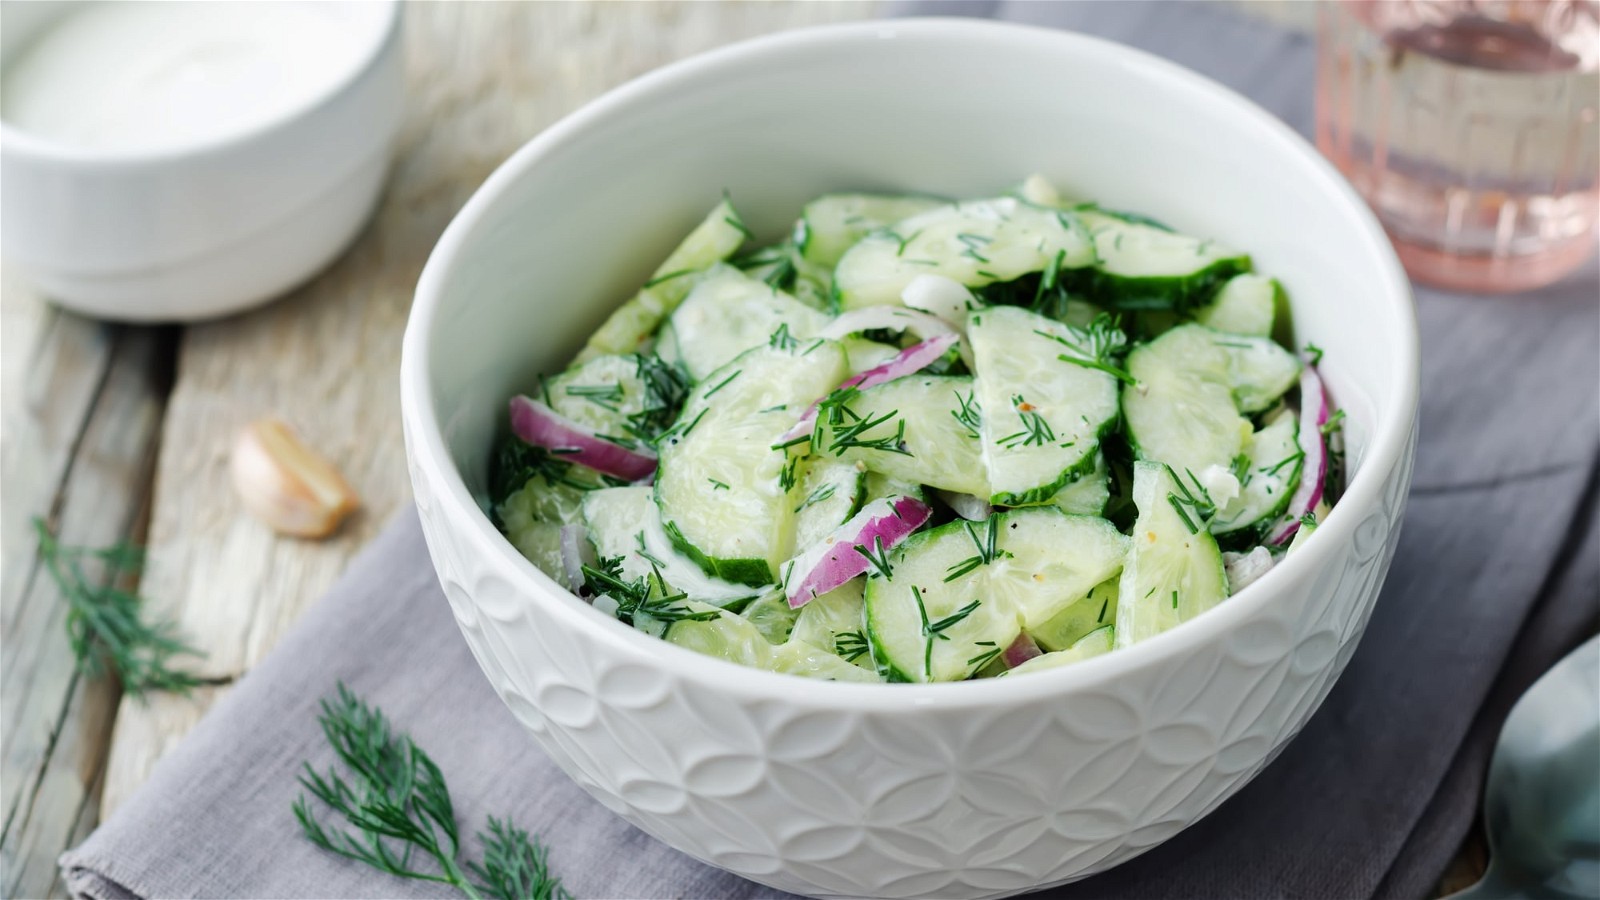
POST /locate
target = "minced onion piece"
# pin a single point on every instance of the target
(1021, 650)
(909, 361)
(1245, 568)
(834, 560)
(940, 296)
(1313, 415)
(542, 426)
(967, 506)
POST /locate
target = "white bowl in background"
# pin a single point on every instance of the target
(976, 789)
(211, 228)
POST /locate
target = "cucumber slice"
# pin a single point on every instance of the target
(1259, 370)
(1088, 495)
(629, 328)
(974, 243)
(1174, 571)
(626, 399)
(736, 640)
(830, 492)
(1181, 411)
(1090, 645)
(1270, 476)
(835, 620)
(915, 434)
(1245, 305)
(1042, 416)
(958, 592)
(922, 627)
(879, 486)
(540, 542)
(1049, 560)
(728, 312)
(771, 615)
(864, 354)
(1093, 612)
(1144, 267)
(624, 522)
(724, 491)
(831, 224)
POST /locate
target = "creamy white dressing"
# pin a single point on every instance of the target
(142, 76)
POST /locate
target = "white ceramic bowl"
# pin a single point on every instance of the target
(974, 789)
(208, 229)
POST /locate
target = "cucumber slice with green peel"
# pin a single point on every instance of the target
(1144, 267)
(624, 523)
(736, 640)
(1089, 494)
(1174, 570)
(833, 223)
(1259, 370)
(624, 398)
(1042, 416)
(834, 620)
(974, 243)
(628, 329)
(1246, 304)
(922, 627)
(726, 495)
(728, 312)
(956, 593)
(1067, 627)
(1180, 410)
(908, 429)
(830, 491)
(1301, 535)
(1093, 644)
(771, 615)
(1272, 462)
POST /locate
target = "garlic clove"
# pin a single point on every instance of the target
(287, 485)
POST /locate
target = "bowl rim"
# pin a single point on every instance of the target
(1390, 437)
(23, 142)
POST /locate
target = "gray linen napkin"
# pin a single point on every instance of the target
(1497, 574)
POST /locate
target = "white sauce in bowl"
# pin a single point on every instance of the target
(145, 76)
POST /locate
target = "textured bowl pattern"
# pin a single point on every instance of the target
(922, 802)
(955, 790)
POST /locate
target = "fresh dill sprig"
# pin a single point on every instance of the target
(782, 339)
(646, 595)
(721, 384)
(1289, 460)
(849, 426)
(877, 556)
(817, 496)
(1035, 430)
(1095, 346)
(665, 387)
(396, 806)
(852, 645)
(970, 415)
(1335, 423)
(1309, 520)
(987, 656)
(790, 476)
(104, 625)
(937, 629)
(1190, 509)
(1314, 354)
(605, 396)
(987, 548)
(1240, 468)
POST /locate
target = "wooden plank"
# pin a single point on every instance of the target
(484, 78)
(93, 479)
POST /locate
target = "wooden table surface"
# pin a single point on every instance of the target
(116, 432)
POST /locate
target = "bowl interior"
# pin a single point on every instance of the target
(568, 228)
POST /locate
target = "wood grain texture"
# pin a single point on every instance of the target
(483, 79)
(82, 410)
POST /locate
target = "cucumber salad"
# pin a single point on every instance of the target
(924, 439)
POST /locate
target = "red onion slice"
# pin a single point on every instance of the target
(542, 426)
(909, 361)
(1021, 650)
(879, 526)
(1313, 415)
